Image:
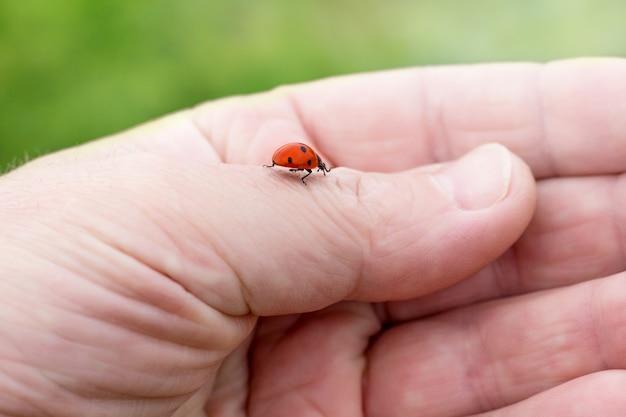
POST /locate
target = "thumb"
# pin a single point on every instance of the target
(350, 235)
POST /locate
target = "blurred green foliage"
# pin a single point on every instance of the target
(74, 70)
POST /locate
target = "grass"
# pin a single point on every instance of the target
(71, 71)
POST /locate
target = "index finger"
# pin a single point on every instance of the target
(563, 118)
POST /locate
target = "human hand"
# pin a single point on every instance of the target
(137, 267)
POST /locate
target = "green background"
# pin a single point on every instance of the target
(72, 71)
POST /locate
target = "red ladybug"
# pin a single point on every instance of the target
(298, 157)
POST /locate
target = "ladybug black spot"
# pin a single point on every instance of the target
(309, 162)
(303, 149)
(289, 160)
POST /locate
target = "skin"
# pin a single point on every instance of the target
(164, 272)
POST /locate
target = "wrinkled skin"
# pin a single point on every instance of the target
(165, 272)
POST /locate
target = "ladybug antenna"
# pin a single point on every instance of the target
(321, 166)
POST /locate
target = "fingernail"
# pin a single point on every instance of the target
(479, 179)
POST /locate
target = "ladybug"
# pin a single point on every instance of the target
(298, 157)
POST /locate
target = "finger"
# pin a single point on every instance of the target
(574, 236)
(496, 354)
(353, 236)
(254, 239)
(563, 118)
(600, 394)
(312, 364)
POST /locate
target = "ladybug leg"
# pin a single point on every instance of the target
(309, 173)
(269, 166)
